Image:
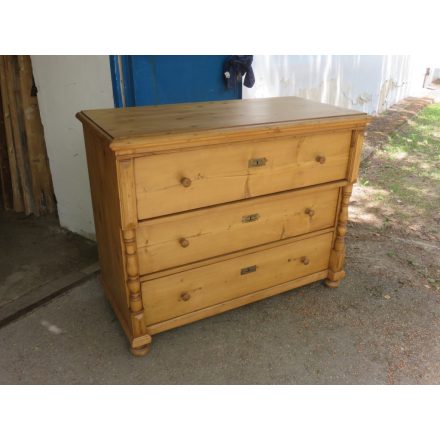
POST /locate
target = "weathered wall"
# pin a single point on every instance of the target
(66, 85)
(370, 83)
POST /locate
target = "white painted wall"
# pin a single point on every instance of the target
(370, 83)
(66, 85)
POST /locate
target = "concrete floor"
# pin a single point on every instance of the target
(380, 326)
(36, 252)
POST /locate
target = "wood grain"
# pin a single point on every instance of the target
(337, 256)
(5, 172)
(19, 134)
(224, 281)
(144, 130)
(30, 177)
(127, 193)
(219, 258)
(134, 285)
(107, 215)
(17, 194)
(223, 174)
(41, 179)
(355, 155)
(132, 122)
(221, 230)
(234, 303)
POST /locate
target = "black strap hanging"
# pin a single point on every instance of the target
(235, 67)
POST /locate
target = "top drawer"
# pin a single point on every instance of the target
(179, 181)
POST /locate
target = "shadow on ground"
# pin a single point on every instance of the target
(36, 251)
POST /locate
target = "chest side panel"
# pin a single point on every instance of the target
(106, 211)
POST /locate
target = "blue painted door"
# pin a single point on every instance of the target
(164, 79)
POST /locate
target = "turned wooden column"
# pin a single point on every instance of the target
(141, 341)
(337, 255)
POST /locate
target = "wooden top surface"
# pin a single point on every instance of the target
(175, 119)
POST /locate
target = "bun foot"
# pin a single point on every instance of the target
(332, 284)
(334, 278)
(140, 351)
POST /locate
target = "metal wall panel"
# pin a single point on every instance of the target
(166, 79)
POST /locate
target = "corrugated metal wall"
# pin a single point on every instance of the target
(370, 83)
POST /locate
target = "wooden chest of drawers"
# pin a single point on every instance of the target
(201, 208)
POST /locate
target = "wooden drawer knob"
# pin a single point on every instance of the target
(305, 261)
(310, 212)
(320, 159)
(185, 181)
(185, 296)
(184, 242)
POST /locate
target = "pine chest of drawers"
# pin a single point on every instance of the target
(201, 208)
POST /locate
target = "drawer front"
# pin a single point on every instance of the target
(184, 292)
(179, 181)
(197, 235)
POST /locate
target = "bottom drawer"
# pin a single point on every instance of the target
(184, 292)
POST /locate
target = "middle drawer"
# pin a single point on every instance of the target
(197, 235)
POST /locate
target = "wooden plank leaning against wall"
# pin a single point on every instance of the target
(5, 172)
(25, 178)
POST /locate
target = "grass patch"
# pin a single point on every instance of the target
(405, 175)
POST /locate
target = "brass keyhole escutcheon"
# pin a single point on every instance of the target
(305, 261)
(184, 242)
(320, 159)
(248, 269)
(259, 162)
(250, 218)
(185, 181)
(310, 212)
(185, 296)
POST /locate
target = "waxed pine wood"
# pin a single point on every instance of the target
(201, 208)
(196, 235)
(222, 174)
(106, 211)
(167, 297)
(164, 120)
